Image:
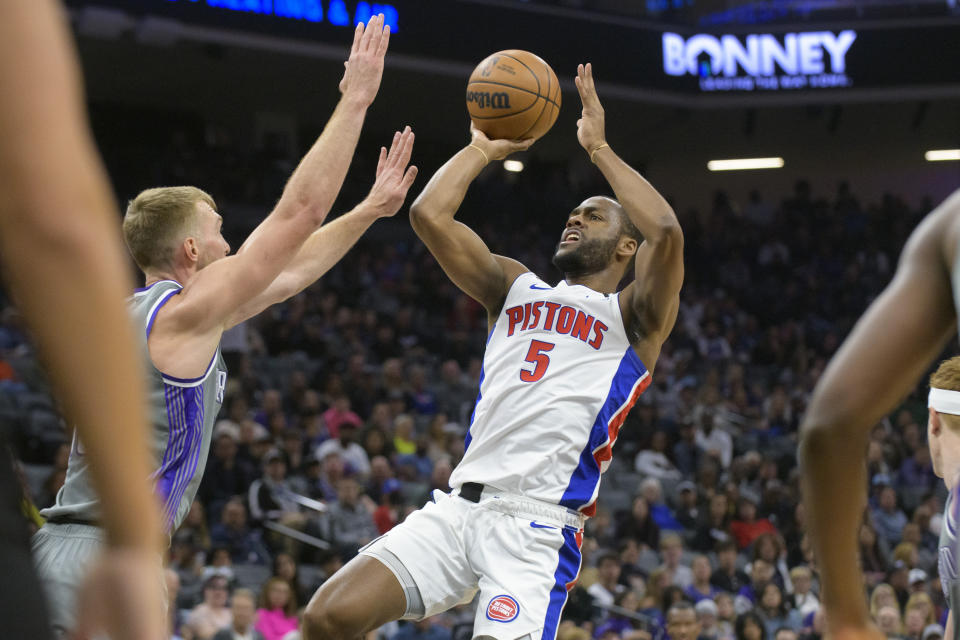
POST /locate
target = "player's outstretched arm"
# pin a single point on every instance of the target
(879, 363)
(214, 296)
(462, 254)
(327, 245)
(654, 294)
(65, 267)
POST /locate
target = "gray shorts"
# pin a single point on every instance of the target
(63, 554)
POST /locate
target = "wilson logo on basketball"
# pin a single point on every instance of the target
(487, 99)
(503, 609)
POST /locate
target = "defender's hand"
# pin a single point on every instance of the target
(394, 177)
(590, 127)
(364, 68)
(497, 149)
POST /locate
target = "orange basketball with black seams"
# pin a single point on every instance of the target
(513, 94)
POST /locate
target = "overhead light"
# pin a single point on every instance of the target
(742, 164)
(939, 155)
(513, 165)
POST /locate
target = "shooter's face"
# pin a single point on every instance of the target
(590, 238)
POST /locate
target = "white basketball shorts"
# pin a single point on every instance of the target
(522, 556)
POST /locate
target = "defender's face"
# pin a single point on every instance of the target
(933, 441)
(213, 246)
(590, 237)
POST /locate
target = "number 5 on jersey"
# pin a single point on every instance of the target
(537, 356)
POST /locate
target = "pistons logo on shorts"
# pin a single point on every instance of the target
(503, 609)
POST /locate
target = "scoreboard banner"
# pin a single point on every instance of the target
(638, 57)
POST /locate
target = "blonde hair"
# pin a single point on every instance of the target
(920, 600)
(905, 552)
(880, 589)
(947, 376)
(156, 221)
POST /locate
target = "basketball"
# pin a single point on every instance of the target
(513, 94)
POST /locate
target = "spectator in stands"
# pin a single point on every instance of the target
(618, 623)
(726, 615)
(682, 622)
(284, 566)
(888, 620)
(804, 599)
(769, 547)
(713, 526)
(345, 444)
(874, 553)
(921, 600)
(761, 572)
(914, 622)
(883, 595)
(387, 514)
(654, 463)
(713, 442)
(750, 626)
(685, 452)
(727, 577)
(243, 607)
(322, 480)
(639, 524)
(926, 557)
(671, 548)
(196, 524)
(271, 497)
(244, 544)
(700, 588)
(605, 590)
(227, 475)
(212, 614)
(746, 526)
(277, 614)
(688, 506)
(454, 395)
(652, 492)
(774, 610)
(707, 618)
(348, 524)
(338, 414)
(784, 633)
(887, 516)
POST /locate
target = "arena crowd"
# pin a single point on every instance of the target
(347, 406)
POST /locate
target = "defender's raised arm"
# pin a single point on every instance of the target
(218, 290)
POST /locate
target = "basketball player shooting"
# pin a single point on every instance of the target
(563, 366)
(879, 363)
(195, 290)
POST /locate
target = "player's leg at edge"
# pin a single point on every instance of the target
(360, 597)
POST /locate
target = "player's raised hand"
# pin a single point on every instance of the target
(394, 177)
(123, 597)
(497, 149)
(364, 68)
(590, 127)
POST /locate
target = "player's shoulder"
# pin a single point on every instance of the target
(937, 237)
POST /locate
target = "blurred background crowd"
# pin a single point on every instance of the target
(348, 405)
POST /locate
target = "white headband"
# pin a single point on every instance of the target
(944, 401)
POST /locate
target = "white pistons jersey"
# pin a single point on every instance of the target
(559, 377)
